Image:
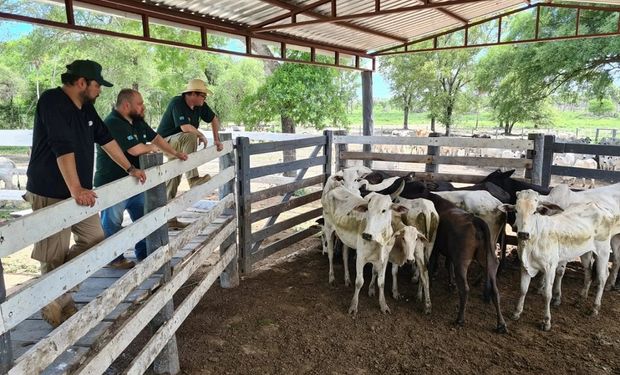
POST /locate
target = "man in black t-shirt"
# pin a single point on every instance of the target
(66, 126)
(179, 126)
(127, 126)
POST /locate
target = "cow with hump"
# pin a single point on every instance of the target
(546, 241)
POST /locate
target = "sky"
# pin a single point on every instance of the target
(12, 30)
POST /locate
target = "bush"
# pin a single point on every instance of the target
(601, 107)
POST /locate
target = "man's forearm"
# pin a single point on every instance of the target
(68, 169)
(164, 146)
(215, 126)
(114, 151)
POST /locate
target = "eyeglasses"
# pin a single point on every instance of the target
(202, 95)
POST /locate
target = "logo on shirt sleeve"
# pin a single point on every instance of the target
(182, 118)
(129, 137)
(90, 123)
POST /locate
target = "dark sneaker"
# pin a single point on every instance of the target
(195, 181)
(122, 264)
(176, 224)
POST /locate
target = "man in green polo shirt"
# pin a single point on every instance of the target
(127, 126)
(179, 126)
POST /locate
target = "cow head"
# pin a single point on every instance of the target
(378, 218)
(412, 241)
(527, 206)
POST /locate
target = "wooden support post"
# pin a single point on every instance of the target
(230, 276)
(244, 205)
(367, 111)
(167, 362)
(537, 155)
(547, 159)
(340, 149)
(433, 151)
(6, 351)
(328, 152)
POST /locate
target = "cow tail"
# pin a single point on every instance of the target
(490, 259)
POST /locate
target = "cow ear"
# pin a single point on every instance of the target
(399, 208)
(548, 209)
(362, 208)
(508, 173)
(422, 238)
(338, 178)
(506, 207)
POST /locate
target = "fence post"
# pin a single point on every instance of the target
(244, 205)
(6, 351)
(367, 112)
(536, 155)
(328, 152)
(340, 148)
(230, 276)
(547, 159)
(432, 151)
(167, 362)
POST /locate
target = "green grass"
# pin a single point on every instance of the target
(13, 150)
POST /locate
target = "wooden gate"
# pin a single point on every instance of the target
(250, 239)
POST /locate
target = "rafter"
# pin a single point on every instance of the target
(453, 15)
(327, 19)
(295, 10)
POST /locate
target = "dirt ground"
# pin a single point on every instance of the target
(287, 319)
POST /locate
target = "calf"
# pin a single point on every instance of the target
(545, 241)
(462, 238)
(366, 225)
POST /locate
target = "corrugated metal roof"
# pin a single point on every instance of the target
(358, 26)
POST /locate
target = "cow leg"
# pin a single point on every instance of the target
(381, 285)
(373, 278)
(463, 288)
(359, 282)
(615, 247)
(525, 284)
(549, 277)
(556, 300)
(601, 272)
(423, 284)
(415, 273)
(345, 262)
(492, 266)
(586, 261)
(329, 237)
(395, 293)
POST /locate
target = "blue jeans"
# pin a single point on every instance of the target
(112, 220)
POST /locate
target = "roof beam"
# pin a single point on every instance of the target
(327, 19)
(453, 15)
(295, 10)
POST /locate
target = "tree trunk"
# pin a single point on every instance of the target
(433, 124)
(508, 128)
(288, 126)
(448, 120)
(406, 119)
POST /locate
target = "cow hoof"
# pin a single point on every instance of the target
(396, 296)
(353, 311)
(516, 316)
(501, 328)
(545, 326)
(555, 302)
(459, 323)
(386, 310)
(347, 283)
(427, 310)
(371, 292)
(593, 312)
(331, 282)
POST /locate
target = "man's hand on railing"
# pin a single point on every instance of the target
(139, 174)
(180, 155)
(84, 197)
(219, 145)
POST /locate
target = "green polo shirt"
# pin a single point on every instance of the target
(127, 135)
(178, 113)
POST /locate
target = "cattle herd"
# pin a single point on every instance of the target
(402, 221)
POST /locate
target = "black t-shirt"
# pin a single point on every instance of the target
(127, 135)
(178, 113)
(61, 128)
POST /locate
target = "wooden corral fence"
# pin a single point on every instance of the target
(532, 163)
(552, 148)
(63, 350)
(291, 195)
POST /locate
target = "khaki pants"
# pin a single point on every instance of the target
(182, 142)
(54, 251)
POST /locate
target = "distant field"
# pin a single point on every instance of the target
(564, 121)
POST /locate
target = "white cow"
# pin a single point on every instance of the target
(609, 196)
(587, 164)
(7, 170)
(546, 241)
(366, 225)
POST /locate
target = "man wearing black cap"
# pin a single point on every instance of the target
(66, 127)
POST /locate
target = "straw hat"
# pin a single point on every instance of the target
(197, 85)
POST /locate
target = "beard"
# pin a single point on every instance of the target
(135, 116)
(87, 99)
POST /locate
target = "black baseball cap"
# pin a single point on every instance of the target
(88, 69)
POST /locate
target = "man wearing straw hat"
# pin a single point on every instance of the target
(179, 126)
(66, 127)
